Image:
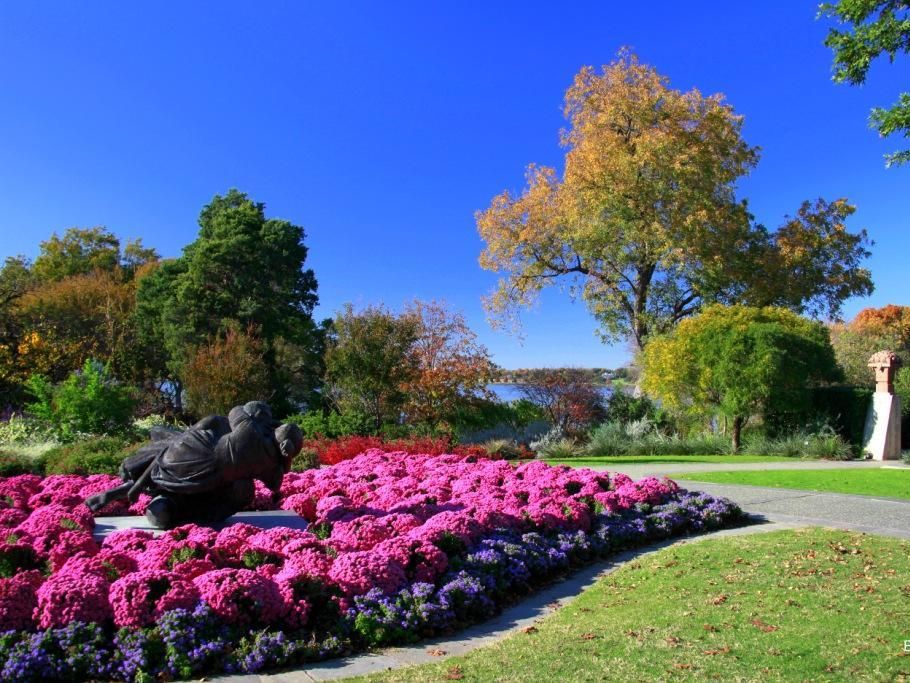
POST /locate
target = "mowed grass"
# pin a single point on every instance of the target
(810, 604)
(890, 483)
(590, 461)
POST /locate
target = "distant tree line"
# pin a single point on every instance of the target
(525, 375)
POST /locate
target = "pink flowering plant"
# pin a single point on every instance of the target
(398, 547)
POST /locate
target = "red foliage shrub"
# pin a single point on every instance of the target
(334, 451)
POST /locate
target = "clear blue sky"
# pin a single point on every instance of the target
(382, 127)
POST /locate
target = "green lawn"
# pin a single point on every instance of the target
(588, 461)
(891, 483)
(810, 604)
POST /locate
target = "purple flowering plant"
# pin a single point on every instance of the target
(409, 546)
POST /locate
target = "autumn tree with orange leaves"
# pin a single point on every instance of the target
(450, 368)
(872, 330)
(643, 224)
(422, 366)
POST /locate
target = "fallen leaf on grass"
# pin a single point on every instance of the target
(587, 636)
(680, 665)
(719, 599)
(767, 628)
(436, 652)
(672, 641)
(722, 651)
(709, 627)
(454, 673)
(529, 629)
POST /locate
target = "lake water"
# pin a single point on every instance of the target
(512, 392)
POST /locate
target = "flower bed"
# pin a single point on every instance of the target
(398, 548)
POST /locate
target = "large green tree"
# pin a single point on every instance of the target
(739, 361)
(866, 30)
(367, 362)
(243, 270)
(644, 224)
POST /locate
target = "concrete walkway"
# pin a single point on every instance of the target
(639, 470)
(776, 509)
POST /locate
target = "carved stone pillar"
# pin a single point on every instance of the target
(882, 435)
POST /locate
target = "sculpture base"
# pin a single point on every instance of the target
(104, 526)
(882, 435)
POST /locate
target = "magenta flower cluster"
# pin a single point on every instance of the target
(381, 521)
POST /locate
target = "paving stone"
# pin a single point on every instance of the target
(346, 667)
(300, 676)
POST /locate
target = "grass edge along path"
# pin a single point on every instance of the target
(803, 604)
(882, 482)
(589, 460)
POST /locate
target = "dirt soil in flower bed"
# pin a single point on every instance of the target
(398, 547)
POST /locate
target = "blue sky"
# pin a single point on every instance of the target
(382, 127)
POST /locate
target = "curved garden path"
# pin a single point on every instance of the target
(775, 509)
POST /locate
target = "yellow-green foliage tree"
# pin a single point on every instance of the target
(644, 225)
(75, 303)
(739, 361)
(79, 317)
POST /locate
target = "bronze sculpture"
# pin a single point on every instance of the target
(205, 474)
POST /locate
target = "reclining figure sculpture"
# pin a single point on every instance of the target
(205, 474)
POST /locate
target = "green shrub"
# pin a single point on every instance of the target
(642, 438)
(554, 444)
(317, 424)
(825, 443)
(306, 459)
(88, 401)
(15, 462)
(24, 430)
(523, 412)
(507, 449)
(142, 427)
(560, 449)
(99, 455)
(844, 408)
(902, 389)
(26, 437)
(624, 408)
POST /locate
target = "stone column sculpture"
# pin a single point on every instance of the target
(882, 435)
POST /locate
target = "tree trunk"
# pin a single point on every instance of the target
(738, 422)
